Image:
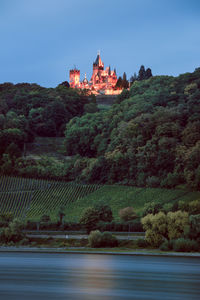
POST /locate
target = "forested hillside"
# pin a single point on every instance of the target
(150, 137)
(29, 110)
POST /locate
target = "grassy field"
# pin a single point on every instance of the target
(32, 198)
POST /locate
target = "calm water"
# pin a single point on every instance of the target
(93, 277)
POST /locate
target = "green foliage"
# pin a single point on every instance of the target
(150, 137)
(28, 110)
(127, 214)
(195, 227)
(106, 239)
(12, 233)
(177, 224)
(103, 211)
(172, 226)
(155, 227)
(89, 218)
(92, 215)
(152, 208)
(185, 245)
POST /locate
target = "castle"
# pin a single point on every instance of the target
(101, 82)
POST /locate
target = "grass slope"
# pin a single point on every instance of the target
(122, 196)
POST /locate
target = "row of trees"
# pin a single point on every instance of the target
(143, 74)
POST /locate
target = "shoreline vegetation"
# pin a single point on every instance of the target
(108, 251)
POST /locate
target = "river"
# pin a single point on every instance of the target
(40, 276)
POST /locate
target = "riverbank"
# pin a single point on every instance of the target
(75, 250)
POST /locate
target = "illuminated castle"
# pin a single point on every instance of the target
(101, 82)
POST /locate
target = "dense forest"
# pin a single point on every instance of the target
(29, 110)
(149, 137)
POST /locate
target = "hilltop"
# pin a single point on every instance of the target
(149, 136)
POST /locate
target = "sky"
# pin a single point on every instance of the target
(41, 40)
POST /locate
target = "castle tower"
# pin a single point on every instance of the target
(74, 78)
(98, 67)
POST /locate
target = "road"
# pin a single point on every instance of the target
(80, 236)
(42, 276)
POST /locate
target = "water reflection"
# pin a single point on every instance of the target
(93, 277)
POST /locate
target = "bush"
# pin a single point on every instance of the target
(106, 239)
(153, 181)
(152, 208)
(185, 245)
(13, 232)
(141, 243)
(172, 180)
(166, 246)
(127, 214)
(94, 239)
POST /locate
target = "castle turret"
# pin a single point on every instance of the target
(98, 67)
(74, 78)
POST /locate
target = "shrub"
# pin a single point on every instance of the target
(13, 232)
(177, 224)
(94, 239)
(172, 180)
(185, 245)
(127, 214)
(153, 181)
(141, 243)
(106, 239)
(151, 208)
(194, 207)
(166, 245)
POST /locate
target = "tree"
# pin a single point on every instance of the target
(142, 73)
(103, 211)
(89, 218)
(177, 224)
(127, 214)
(94, 214)
(133, 79)
(155, 227)
(148, 73)
(119, 83)
(61, 214)
(159, 226)
(125, 83)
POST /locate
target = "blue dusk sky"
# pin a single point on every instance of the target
(41, 40)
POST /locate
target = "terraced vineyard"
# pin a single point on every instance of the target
(32, 198)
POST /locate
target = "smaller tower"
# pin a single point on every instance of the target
(74, 78)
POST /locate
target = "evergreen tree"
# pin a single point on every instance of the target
(142, 73)
(119, 82)
(115, 71)
(133, 79)
(148, 73)
(125, 83)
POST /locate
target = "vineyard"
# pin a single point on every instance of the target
(31, 198)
